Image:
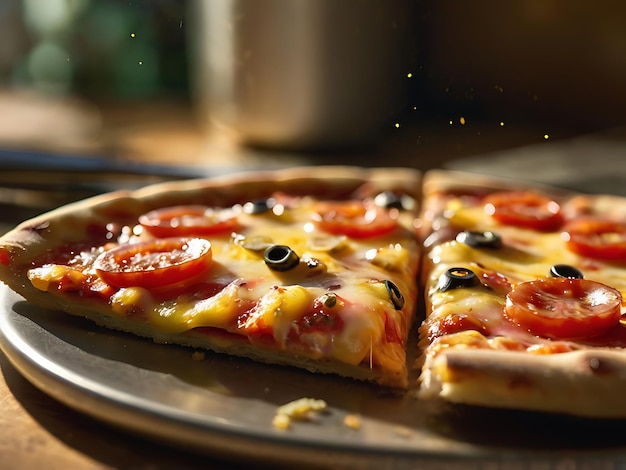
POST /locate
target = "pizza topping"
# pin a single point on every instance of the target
(524, 209)
(259, 206)
(252, 243)
(480, 239)
(390, 258)
(457, 322)
(495, 281)
(329, 299)
(565, 270)
(64, 278)
(392, 200)
(191, 220)
(5, 256)
(455, 278)
(320, 318)
(327, 243)
(595, 238)
(154, 264)
(354, 219)
(397, 299)
(313, 265)
(564, 308)
(132, 300)
(280, 258)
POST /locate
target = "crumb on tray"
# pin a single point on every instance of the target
(300, 409)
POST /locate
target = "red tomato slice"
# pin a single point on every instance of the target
(154, 264)
(354, 219)
(185, 221)
(564, 308)
(524, 209)
(600, 239)
(5, 257)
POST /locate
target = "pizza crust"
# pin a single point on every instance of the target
(586, 383)
(444, 181)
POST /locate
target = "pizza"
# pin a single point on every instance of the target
(313, 268)
(523, 288)
(510, 292)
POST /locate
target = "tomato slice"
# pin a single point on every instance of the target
(564, 308)
(524, 209)
(354, 219)
(154, 264)
(595, 238)
(191, 220)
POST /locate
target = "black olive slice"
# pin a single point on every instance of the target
(280, 258)
(397, 299)
(565, 270)
(455, 278)
(391, 200)
(259, 206)
(480, 239)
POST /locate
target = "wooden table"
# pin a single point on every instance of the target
(37, 431)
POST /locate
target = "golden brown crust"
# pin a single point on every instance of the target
(448, 181)
(30, 240)
(585, 383)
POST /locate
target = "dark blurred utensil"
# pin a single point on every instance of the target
(38, 181)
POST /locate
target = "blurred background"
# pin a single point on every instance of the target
(190, 87)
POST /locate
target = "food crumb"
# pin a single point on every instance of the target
(352, 421)
(301, 409)
(198, 356)
(281, 421)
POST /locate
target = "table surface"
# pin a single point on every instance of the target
(36, 431)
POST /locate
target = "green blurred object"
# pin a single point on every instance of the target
(103, 48)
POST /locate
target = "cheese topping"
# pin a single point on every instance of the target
(477, 312)
(240, 294)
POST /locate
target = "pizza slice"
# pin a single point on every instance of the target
(524, 287)
(311, 267)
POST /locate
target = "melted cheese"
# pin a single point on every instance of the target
(526, 255)
(252, 299)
